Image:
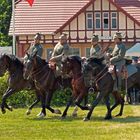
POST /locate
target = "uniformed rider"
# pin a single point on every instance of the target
(96, 49)
(117, 59)
(36, 46)
(60, 50)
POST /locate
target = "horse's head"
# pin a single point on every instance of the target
(70, 63)
(29, 64)
(94, 65)
(3, 64)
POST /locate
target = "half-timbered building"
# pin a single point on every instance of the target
(79, 19)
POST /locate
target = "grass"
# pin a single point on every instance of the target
(17, 126)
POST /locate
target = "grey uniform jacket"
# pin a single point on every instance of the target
(38, 48)
(96, 51)
(59, 51)
(118, 55)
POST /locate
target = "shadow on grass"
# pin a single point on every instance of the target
(58, 118)
(128, 119)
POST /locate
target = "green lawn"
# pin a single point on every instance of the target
(17, 126)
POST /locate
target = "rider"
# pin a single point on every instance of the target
(36, 46)
(96, 49)
(95, 52)
(60, 50)
(117, 59)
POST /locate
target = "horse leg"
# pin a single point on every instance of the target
(42, 114)
(96, 101)
(79, 100)
(67, 107)
(74, 113)
(86, 100)
(8, 93)
(108, 114)
(118, 100)
(48, 100)
(28, 112)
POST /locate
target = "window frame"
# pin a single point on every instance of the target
(104, 19)
(71, 51)
(87, 50)
(89, 18)
(112, 19)
(97, 18)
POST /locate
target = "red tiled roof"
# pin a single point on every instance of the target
(50, 16)
(45, 16)
(132, 7)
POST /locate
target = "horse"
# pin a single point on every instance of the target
(16, 82)
(73, 64)
(103, 83)
(45, 80)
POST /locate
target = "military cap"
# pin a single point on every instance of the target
(94, 38)
(37, 36)
(63, 36)
(117, 35)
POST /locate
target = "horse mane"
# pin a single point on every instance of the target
(98, 61)
(17, 62)
(77, 58)
(41, 61)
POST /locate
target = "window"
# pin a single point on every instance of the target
(97, 20)
(87, 52)
(49, 52)
(89, 21)
(105, 20)
(113, 20)
(74, 51)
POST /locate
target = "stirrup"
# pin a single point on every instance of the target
(91, 90)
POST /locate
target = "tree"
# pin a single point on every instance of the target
(5, 17)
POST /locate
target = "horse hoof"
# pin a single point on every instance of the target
(3, 111)
(63, 117)
(10, 108)
(41, 115)
(57, 111)
(28, 112)
(108, 118)
(118, 115)
(85, 119)
(74, 115)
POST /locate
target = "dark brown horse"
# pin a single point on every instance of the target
(44, 77)
(16, 82)
(103, 83)
(73, 64)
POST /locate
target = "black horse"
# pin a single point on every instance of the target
(16, 82)
(102, 83)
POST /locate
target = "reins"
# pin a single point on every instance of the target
(38, 71)
(97, 78)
